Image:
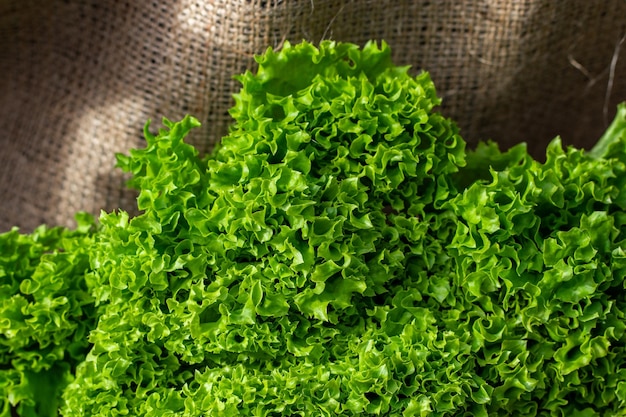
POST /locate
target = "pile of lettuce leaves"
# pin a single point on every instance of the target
(340, 252)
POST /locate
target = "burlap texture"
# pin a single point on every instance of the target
(80, 78)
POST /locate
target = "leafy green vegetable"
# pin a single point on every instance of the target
(540, 247)
(46, 314)
(340, 253)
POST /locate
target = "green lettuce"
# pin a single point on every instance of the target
(339, 253)
(540, 248)
(46, 314)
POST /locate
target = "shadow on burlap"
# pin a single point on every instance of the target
(80, 78)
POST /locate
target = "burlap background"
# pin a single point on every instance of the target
(78, 79)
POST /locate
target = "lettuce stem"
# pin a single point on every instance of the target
(615, 130)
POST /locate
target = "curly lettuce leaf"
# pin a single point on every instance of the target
(46, 313)
(540, 246)
(261, 260)
(340, 253)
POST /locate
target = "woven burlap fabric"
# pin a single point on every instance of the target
(80, 78)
